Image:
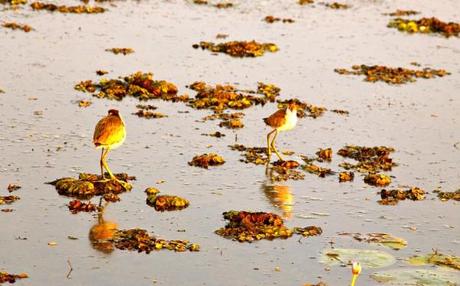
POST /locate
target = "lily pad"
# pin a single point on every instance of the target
(436, 259)
(367, 258)
(417, 276)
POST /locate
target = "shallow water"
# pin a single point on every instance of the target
(39, 69)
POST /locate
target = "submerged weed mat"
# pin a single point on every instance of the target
(239, 48)
(426, 26)
(90, 185)
(391, 75)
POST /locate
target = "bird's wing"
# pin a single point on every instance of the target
(109, 130)
(277, 119)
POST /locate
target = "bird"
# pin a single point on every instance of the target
(282, 120)
(355, 271)
(109, 133)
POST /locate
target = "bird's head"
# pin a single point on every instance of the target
(114, 112)
(355, 268)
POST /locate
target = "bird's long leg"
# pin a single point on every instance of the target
(269, 149)
(273, 145)
(105, 164)
(102, 164)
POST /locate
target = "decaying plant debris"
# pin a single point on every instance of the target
(11, 278)
(13, 187)
(206, 160)
(77, 206)
(239, 48)
(426, 25)
(399, 13)
(13, 2)
(392, 197)
(370, 159)
(228, 120)
(249, 226)
(139, 85)
(317, 170)
(67, 9)
(7, 200)
(139, 240)
(445, 196)
(280, 173)
(143, 113)
(346, 176)
(304, 109)
(84, 103)
(308, 231)
(378, 180)
(16, 26)
(123, 51)
(438, 259)
(164, 202)
(393, 242)
(304, 2)
(101, 72)
(391, 75)
(272, 19)
(336, 5)
(318, 284)
(220, 5)
(89, 185)
(216, 134)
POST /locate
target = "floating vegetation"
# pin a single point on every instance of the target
(289, 164)
(270, 91)
(366, 257)
(324, 155)
(392, 197)
(124, 51)
(391, 75)
(84, 103)
(308, 231)
(438, 259)
(249, 226)
(143, 113)
(304, 2)
(254, 155)
(239, 48)
(220, 5)
(340, 111)
(318, 284)
(89, 185)
(371, 159)
(139, 240)
(139, 85)
(426, 25)
(445, 196)
(67, 9)
(303, 109)
(346, 176)
(336, 5)
(13, 187)
(101, 72)
(378, 180)
(7, 200)
(283, 173)
(206, 160)
(13, 2)
(16, 26)
(228, 120)
(272, 19)
(216, 134)
(399, 13)
(417, 276)
(11, 278)
(388, 240)
(77, 206)
(164, 202)
(317, 170)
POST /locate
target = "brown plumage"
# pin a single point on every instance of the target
(109, 133)
(277, 119)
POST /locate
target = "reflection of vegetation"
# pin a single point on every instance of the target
(280, 197)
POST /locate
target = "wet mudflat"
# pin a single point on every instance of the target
(46, 135)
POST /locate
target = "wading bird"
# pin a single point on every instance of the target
(355, 271)
(109, 134)
(282, 120)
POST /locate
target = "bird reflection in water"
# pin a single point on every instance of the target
(279, 197)
(101, 234)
